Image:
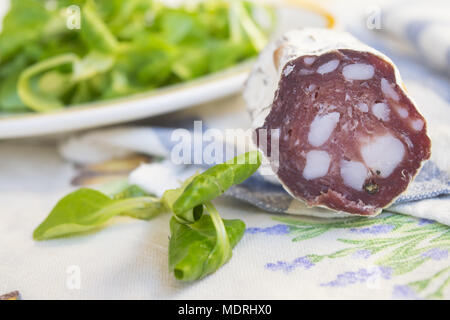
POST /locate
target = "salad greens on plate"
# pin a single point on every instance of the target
(55, 54)
(199, 243)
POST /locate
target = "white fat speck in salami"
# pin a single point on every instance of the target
(309, 60)
(381, 111)
(317, 164)
(358, 71)
(354, 174)
(402, 112)
(363, 107)
(321, 128)
(311, 87)
(306, 72)
(417, 124)
(388, 90)
(288, 70)
(328, 67)
(383, 154)
(352, 139)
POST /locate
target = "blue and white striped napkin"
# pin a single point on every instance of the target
(425, 25)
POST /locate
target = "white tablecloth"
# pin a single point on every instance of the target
(391, 256)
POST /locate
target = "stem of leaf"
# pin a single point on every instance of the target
(223, 246)
(125, 205)
(256, 36)
(32, 99)
(235, 26)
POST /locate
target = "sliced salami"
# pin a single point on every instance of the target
(350, 138)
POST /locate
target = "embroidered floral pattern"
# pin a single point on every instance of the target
(274, 230)
(361, 276)
(303, 262)
(398, 244)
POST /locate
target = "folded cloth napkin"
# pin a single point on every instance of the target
(425, 25)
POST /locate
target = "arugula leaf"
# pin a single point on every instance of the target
(87, 209)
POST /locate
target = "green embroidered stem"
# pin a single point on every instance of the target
(400, 243)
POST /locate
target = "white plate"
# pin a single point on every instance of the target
(156, 102)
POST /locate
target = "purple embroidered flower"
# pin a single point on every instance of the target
(361, 254)
(381, 228)
(360, 276)
(302, 262)
(278, 229)
(404, 292)
(436, 254)
(423, 222)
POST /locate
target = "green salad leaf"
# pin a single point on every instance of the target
(40, 99)
(94, 32)
(151, 206)
(199, 243)
(197, 250)
(23, 24)
(190, 215)
(120, 47)
(216, 180)
(87, 209)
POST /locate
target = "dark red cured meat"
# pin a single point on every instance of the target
(302, 95)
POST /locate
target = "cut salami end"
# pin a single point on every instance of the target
(350, 138)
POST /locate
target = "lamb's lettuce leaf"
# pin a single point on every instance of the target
(87, 209)
(199, 243)
(120, 48)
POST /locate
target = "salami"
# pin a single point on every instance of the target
(350, 138)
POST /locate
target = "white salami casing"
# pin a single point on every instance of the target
(350, 138)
